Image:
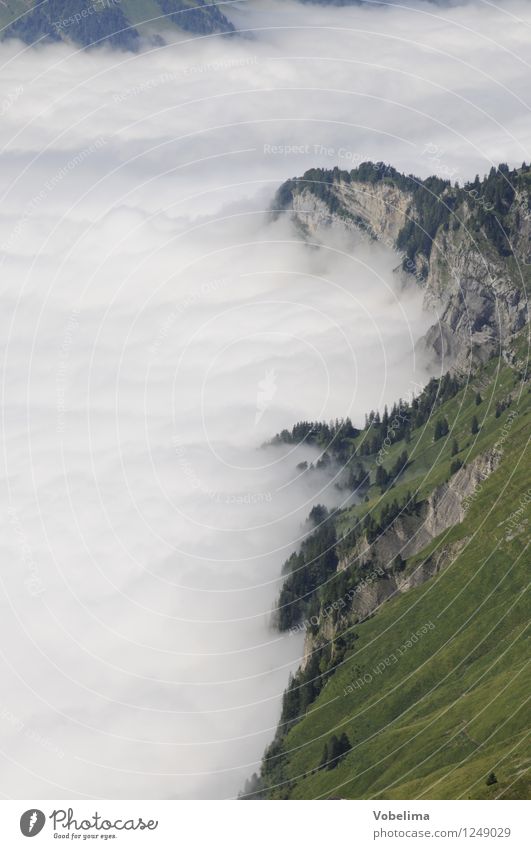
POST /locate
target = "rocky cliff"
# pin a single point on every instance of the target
(355, 586)
(401, 626)
(470, 247)
(407, 536)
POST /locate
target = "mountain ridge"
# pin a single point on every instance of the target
(123, 24)
(412, 601)
(468, 246)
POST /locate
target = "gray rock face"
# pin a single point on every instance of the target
(409, 535)
(446, 507)
(479, 303)
(478, 295)
(380, 211)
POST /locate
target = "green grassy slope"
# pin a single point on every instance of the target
(434, 719)
(429, 461)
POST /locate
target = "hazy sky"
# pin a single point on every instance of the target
(156, 328)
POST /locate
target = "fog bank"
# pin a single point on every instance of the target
(157, 327)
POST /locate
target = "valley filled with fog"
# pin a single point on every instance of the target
(158, 327)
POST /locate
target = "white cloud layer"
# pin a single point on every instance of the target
(156, 327)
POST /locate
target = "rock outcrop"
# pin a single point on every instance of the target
(478, 295)
(407, 536)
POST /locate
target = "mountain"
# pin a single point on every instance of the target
(469, 247)
(383, 3)
(413, 681)
(121, 23)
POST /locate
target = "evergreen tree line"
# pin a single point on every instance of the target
(337, 437)
(375, 528)
(306, 684)
(334, 751)
(384, 478)
(308, 569)
(434, 202)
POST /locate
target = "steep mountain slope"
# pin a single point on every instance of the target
(470, 246)
(120, 23)
(416, 639)
(413, 601)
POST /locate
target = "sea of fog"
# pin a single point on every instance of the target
(157, 327)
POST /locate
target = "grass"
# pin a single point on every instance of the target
(429, 461)
(451, 708)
